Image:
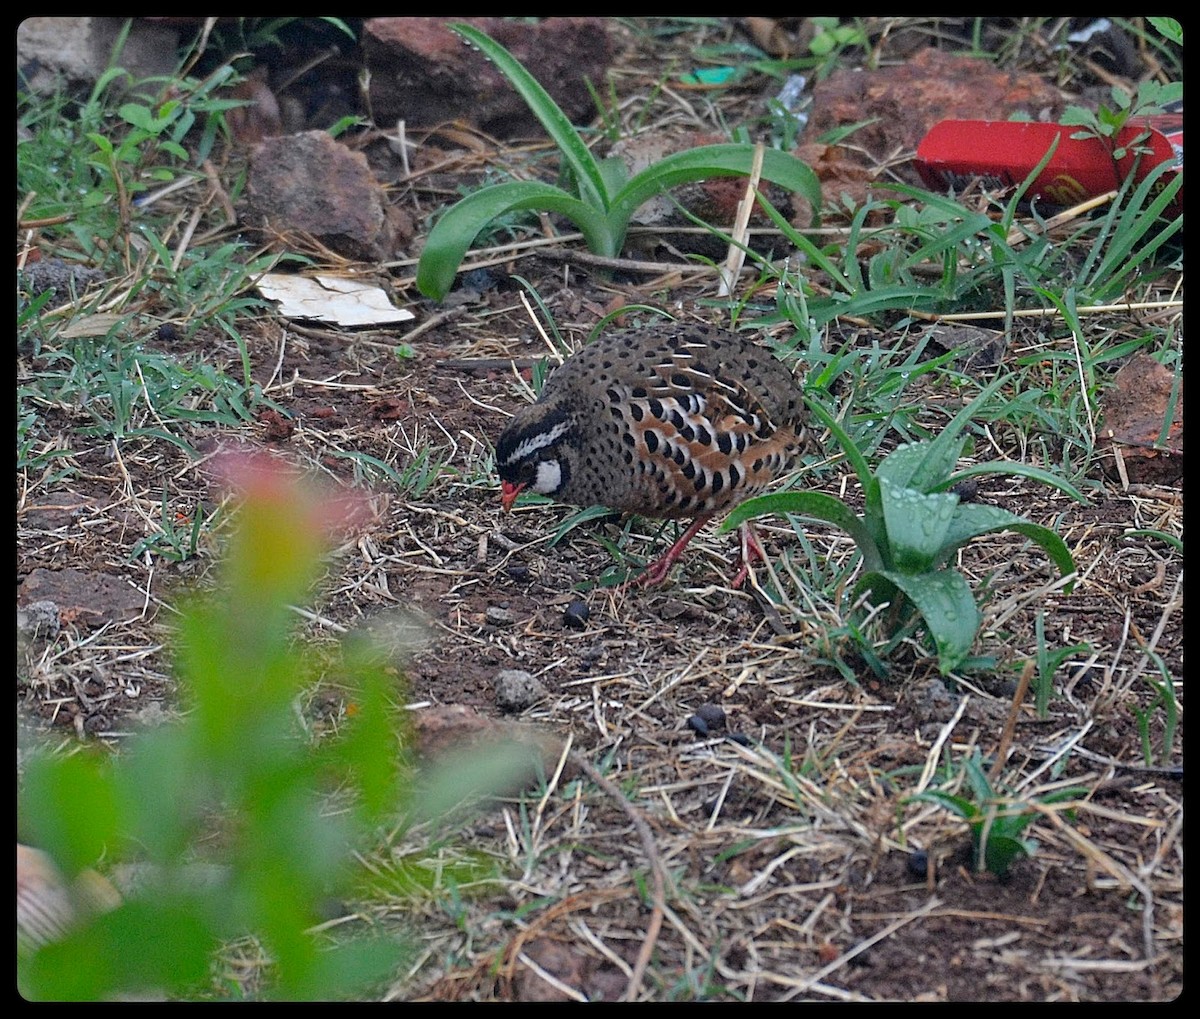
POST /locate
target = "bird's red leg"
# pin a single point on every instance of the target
(751, 550)
(657, 571)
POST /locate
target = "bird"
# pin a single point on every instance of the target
(671, 421)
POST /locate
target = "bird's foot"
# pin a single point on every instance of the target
(751, 551)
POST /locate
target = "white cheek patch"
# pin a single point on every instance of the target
(539, 441)
(549, 478)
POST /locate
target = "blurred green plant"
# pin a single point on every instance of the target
(600, 198)
(832, 37)
(238, 783)
(995, 819)
(913, 524)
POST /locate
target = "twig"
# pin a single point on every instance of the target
(1089, 309)
(1010, 723)
(737, 240)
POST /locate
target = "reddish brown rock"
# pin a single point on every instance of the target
(425, 74)
(899, 104)
(312, 184)
(84, 598)
(1134, 412)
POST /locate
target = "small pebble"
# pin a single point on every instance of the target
(39, 618)
(518, 572)
(576, 614)
(498, 616)
(713, 714)
(517, 690)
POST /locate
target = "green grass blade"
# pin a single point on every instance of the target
(971, 520)
(459, 225)
(583, 164)
(849, 449)
(943, 450)
(1130, 223)
(851, 284)
(1020, 470)
(730, 160)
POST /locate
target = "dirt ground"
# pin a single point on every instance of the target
(791, 863)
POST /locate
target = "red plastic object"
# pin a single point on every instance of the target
(1004, 153)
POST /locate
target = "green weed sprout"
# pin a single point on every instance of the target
(996, 822)
(912, 526)
(603, 198)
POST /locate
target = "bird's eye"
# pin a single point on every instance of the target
(527, 471)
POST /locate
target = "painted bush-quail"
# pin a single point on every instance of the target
(670, 421)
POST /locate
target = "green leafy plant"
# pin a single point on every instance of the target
(1168, 28)
(1048, 663)
(1107, 122)
(832, 37)
(601, 198)
(236, 755)
(913, 524)
(996, 820)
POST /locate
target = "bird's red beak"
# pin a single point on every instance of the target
(508, 494)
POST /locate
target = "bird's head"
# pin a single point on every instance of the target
(534, 452)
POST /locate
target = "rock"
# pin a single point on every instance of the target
(38, 619)
(424, 74)
(53, 53)
(84, 597)
(577, 614)
(448, 731)
(899, 104)
(310, 183)
(68, 282)
(1134, 410)
(517, 690)
(498, 616)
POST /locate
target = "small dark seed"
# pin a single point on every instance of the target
(740, 738)
(697, 725)
(518, 571)
(966, 490)
(576, 614)
(713, 715)
(918, 863)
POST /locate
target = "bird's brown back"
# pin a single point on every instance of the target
(675, 420)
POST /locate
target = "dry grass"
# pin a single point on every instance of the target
(653, 863)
